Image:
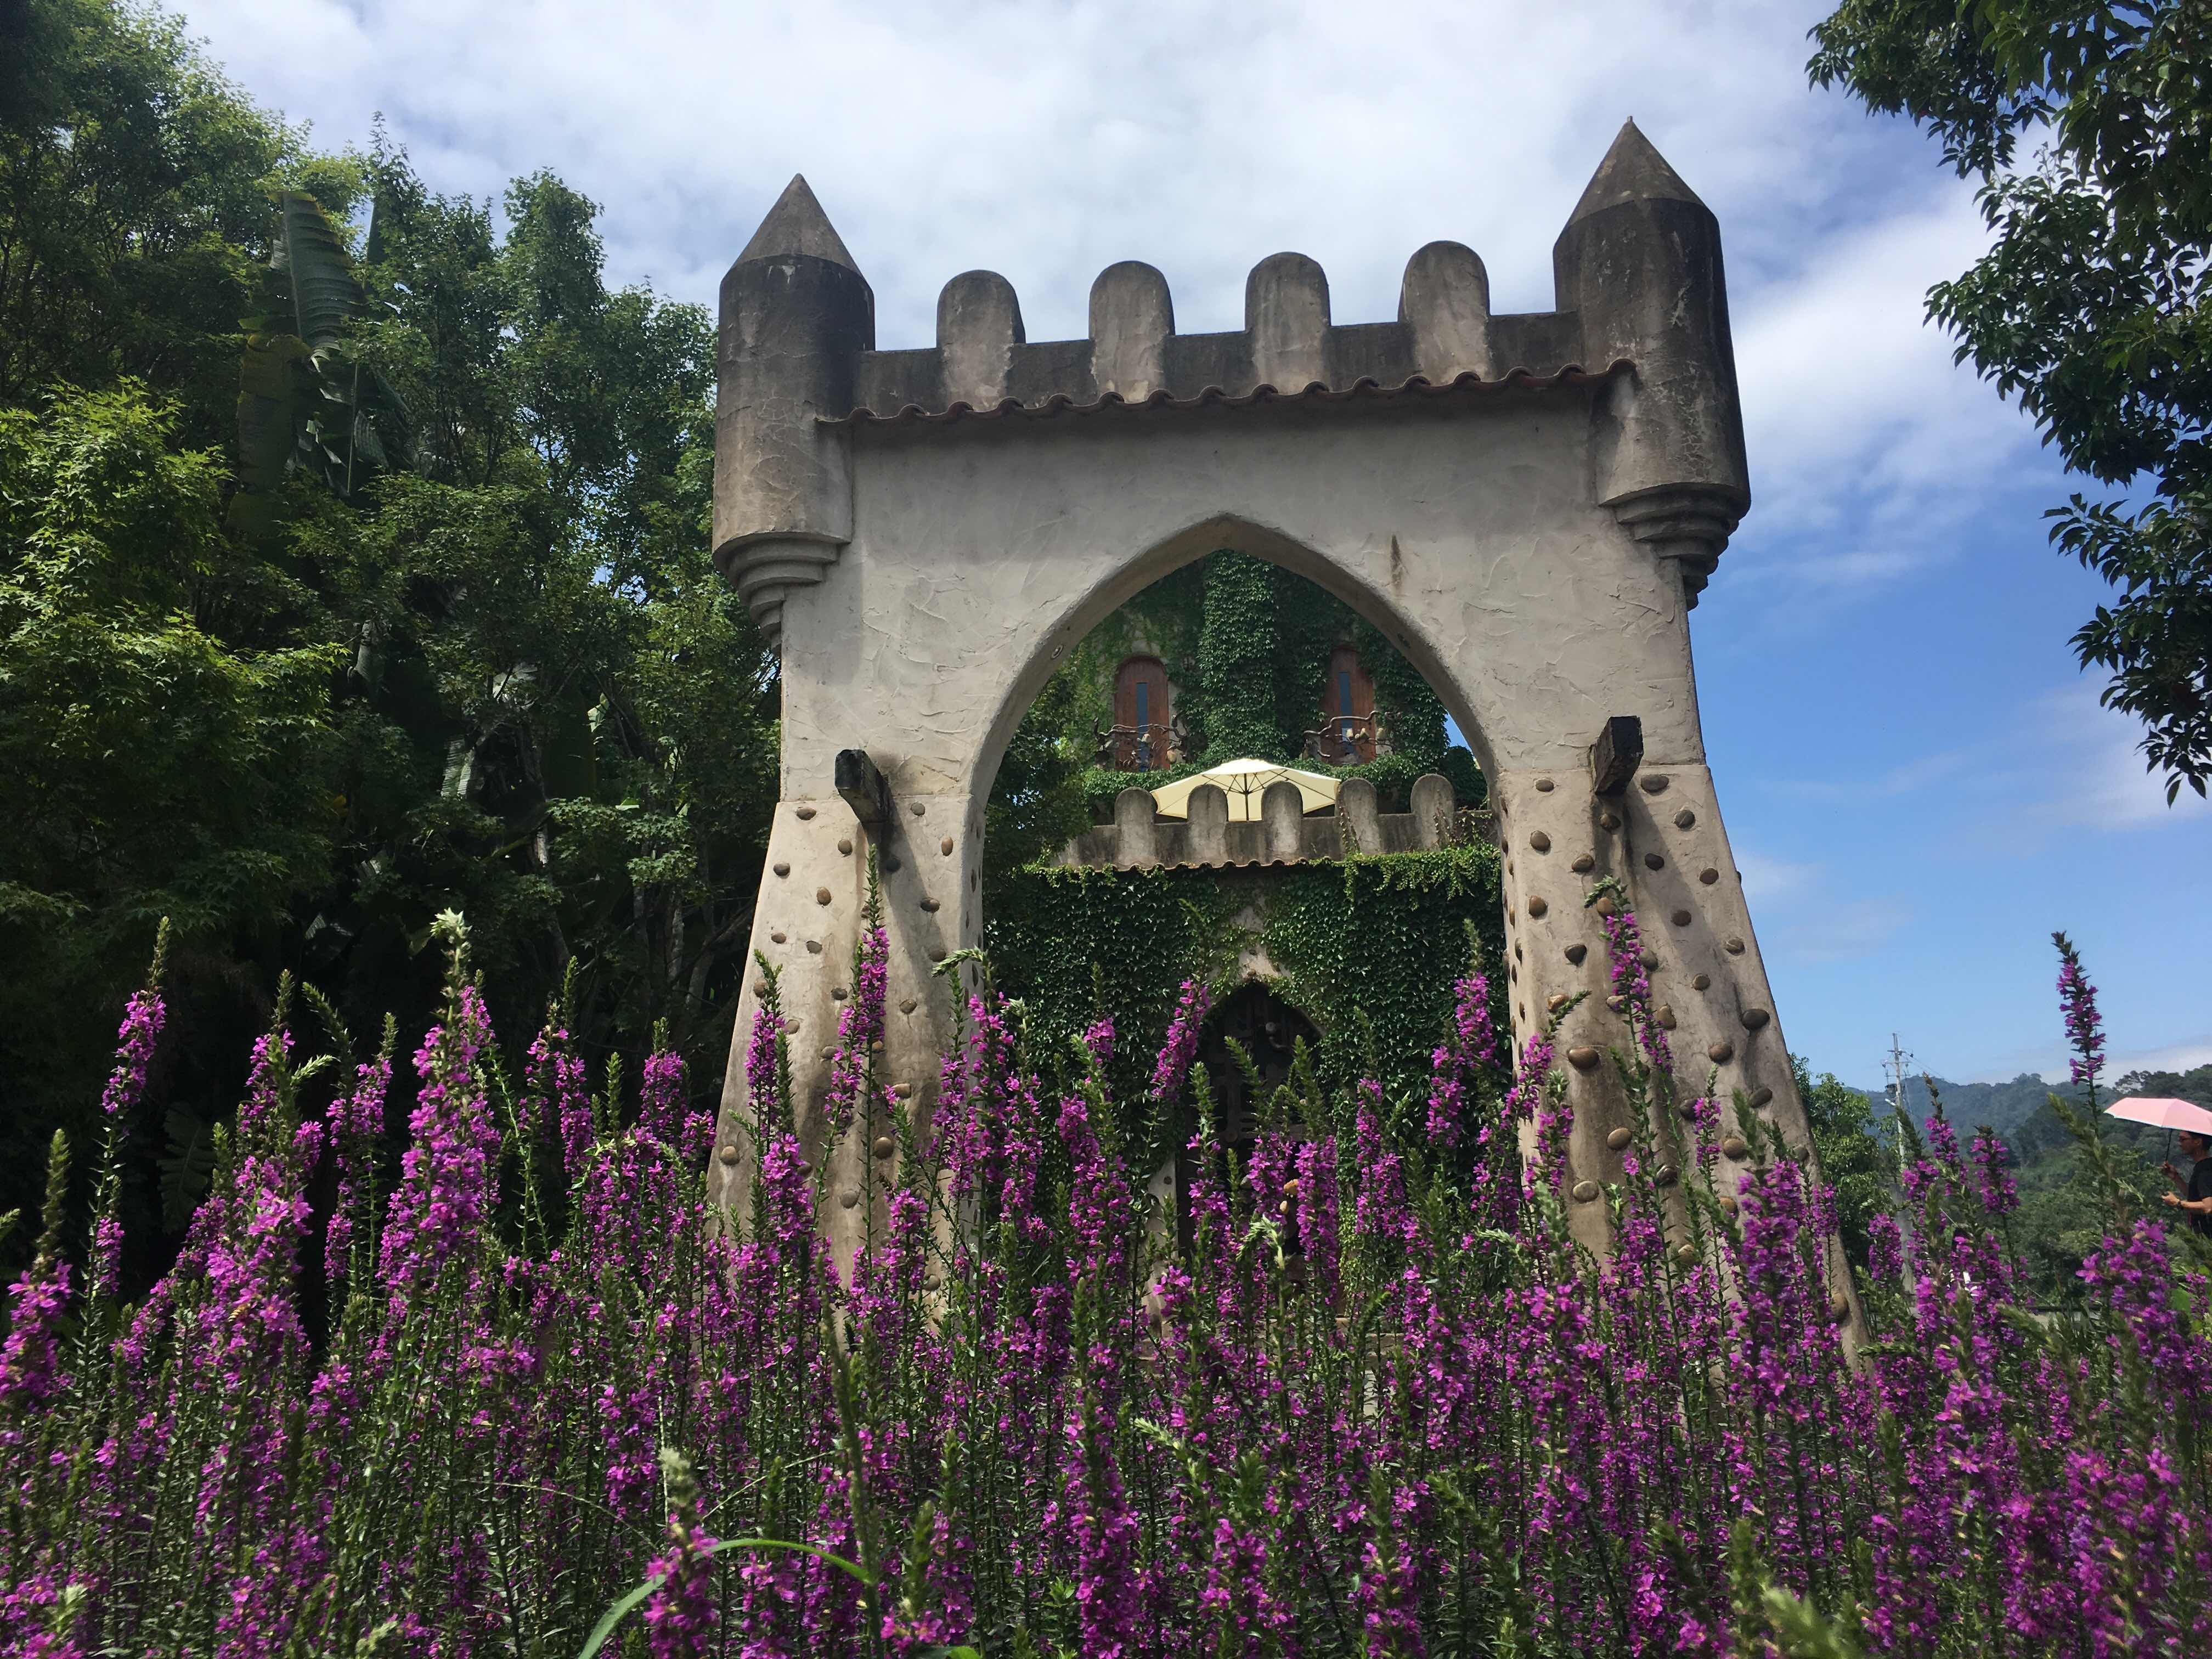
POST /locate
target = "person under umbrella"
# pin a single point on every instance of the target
(2194, 1200)
(2192, 1125)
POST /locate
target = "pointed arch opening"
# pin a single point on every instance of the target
(1251, 659)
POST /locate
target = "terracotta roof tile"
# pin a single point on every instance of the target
(1364, 389)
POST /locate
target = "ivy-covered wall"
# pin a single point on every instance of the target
(1381, 938)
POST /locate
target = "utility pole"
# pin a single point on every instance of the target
(1899, 1063)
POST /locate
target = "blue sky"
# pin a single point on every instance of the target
(1919, 781)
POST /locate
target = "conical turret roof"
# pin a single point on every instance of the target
(1632, 171)
(797, 224)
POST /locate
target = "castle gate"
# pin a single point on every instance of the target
(1528, 506)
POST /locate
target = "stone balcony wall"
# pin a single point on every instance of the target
(1284, 832)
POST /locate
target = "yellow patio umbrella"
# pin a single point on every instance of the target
(1245, 782)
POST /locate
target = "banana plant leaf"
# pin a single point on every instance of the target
(304, 401)
(325, 293)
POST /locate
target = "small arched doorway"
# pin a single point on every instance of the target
(1268, 1029)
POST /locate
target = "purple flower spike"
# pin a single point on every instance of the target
(2084, 1027)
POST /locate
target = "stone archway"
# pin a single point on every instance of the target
(1527, 505)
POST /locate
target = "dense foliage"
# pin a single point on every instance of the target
(470, 654)
(1371, 1400)
(2091, 305)
(1354, 945)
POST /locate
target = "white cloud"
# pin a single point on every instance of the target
(1928, 770)
(1047, 142)
(2051, 1065)
(1766, 878)
(1840, 930)
(2091, 767)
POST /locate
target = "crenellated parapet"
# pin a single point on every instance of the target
(1639, 329)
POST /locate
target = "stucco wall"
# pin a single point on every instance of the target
(1465, 527)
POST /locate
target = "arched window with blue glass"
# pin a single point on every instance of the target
(1347, 709)
(1141, 715)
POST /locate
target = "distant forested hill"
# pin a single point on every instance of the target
(2061, 1218)
(2020, 1110)
(2003, 1106)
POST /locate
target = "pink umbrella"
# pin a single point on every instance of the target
(2162, 1112)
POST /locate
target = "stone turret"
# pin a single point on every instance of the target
(796, 316)
(1639, 264)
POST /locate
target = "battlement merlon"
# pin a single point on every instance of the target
(1642, 313)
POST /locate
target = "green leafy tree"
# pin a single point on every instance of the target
(1853, 1161)
(163, 759)
(391, 599)
(134, 209)
(2091, 307)
(564, 722)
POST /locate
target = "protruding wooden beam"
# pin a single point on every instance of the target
(1617, 753)
(866, 790)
